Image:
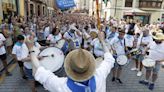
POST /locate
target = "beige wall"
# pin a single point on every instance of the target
(1, 14)
(154, 16)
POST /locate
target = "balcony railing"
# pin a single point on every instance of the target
(150, 4)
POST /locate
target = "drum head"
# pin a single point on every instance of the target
(60, 43)
(37, 50)
(122, 60)
(98, 61)
(148, 62)
(54, 59)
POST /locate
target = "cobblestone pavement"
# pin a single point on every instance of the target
(130, 82)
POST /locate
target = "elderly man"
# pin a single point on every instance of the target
(83, 76)
(156, 53)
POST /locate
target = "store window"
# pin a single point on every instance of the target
(150, 3)
(128, 3)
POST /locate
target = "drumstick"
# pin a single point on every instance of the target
(49, 56)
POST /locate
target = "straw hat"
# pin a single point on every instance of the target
(158, 36)
(79, 65)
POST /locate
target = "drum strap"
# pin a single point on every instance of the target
(70, 34)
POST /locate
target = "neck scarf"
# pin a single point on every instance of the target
(87, 86)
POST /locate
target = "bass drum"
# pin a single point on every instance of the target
(53, 60)
(63, 45)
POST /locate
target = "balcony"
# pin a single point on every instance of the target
(150, 4)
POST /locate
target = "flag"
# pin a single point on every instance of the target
(65, 4)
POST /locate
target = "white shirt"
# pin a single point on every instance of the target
(118, 46)
(74, 37)
(53, 83)
(156, 51)
(129, 39)
(2, 39)
(97, 47)
(54, 39)
(21, 52)
(46, 32)
(145, 40)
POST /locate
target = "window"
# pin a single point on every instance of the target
(150, 3)
(31, 9)
(128, 3)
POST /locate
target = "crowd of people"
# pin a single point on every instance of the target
(78, 34)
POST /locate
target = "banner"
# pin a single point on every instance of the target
(65, 4)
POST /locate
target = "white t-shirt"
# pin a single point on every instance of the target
(73, 36)
(54, 39)
(118, 46)
(145, 40)
(2, 39)
(97, 47)
(156, 51)
(21, 52)
(129, 39)
(46, 32)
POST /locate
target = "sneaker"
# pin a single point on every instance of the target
(24, 77)
(139, 73)
(134, 69)
(119, 80)
(113, 79)
(144, 82)
(151, 86)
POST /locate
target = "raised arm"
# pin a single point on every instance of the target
(108, 62)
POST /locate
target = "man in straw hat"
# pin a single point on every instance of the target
(83, 76)
(156, 53)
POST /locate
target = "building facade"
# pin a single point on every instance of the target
(36, 7)
(90, 7)
(148, 11)
(8, 7)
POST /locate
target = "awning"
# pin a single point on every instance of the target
(135, 11)
(50, 8)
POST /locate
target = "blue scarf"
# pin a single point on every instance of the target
(83, 87)
(111, 35)
(19, 44)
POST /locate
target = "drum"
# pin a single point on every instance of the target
(147, 62)
(98, 61)
(122, 60)
(63, 45)
(74, 44)
(53, 59)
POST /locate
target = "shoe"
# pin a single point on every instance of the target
(144, 82)
(119, 80)
(139, 73)
(37, 84)
(113, 79)
(134, 69)
(8, 74)
(24, 77)
(151, 86)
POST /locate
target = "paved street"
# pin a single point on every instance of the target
(17, 84)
